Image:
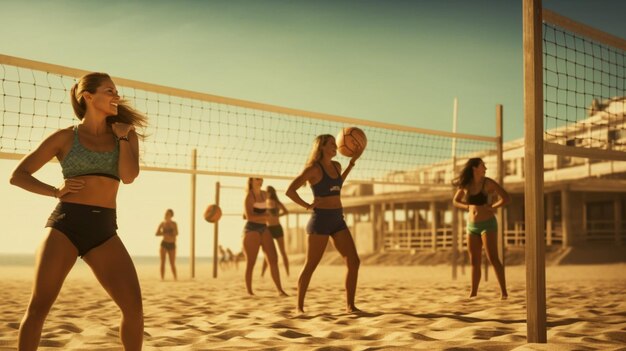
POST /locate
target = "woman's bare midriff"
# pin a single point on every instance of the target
(328, 202)
(480, 213)
(98, 191)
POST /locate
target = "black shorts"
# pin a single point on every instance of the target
(326, 221)
(254, 227)
(276, 231)
(168, 246)
(86, 226)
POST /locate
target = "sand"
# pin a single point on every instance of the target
(416, 307)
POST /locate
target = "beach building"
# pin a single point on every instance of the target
(585, 199)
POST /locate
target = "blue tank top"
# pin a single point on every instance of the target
(327, 186)
(82, 161)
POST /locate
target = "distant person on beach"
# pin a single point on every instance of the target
(276, 209)
(256, 234)
(95, 154)
(223, 257)
(472, 195)
(168, 229)
(327, 219)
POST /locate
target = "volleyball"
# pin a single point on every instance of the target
(213, 213)
(349, 140)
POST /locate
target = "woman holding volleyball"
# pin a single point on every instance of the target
(326, 179)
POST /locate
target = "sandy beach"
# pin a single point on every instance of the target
(405, 307)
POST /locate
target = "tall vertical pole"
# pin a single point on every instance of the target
(455, 211)
(192, 254)
(533, 166)
(216, 231)
(500, 179)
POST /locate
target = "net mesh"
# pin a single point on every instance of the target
(584, 91)
(228, 138)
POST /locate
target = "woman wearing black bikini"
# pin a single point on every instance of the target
(168, 229)
(257, 236)
(482, 228)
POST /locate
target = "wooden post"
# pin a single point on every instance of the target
(433, 225)
(500, 179)
(298, 236)
(288, 236)
(617, 219)
(216, 231)
(565, 218)
(455, 218)
(373, 223)
(550, 219)
(533, 166)
(192, 236)
(382, 226)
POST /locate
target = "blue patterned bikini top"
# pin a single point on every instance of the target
(81, 161)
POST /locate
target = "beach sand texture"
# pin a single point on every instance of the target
(416, 307)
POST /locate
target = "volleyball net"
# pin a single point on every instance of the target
(584, 90)
(231, 137)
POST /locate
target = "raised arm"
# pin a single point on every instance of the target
(128, 165)
(355, 157)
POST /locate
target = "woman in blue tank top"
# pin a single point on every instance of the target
(94, 155)
(472, 195)
(327, 220)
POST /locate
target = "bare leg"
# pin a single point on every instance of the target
(283, 253)
(490, 240)
(162, 255)
(475, 246)
(345, 245)
(172, 256)
(251, 245)
(272, 260)
(55, 258)
(314, 252)
(264, 268)
(114, 269)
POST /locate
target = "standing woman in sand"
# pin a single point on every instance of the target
(169, 230)
(327, 220)
(276, 209)
(472, 195)
(256, 234)
(94, 155)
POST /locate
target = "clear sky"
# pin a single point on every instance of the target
(395, 61)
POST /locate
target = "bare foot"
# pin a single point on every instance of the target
(282, 293)
(504, 297)
(473, 295)
(352, 309)
(250, 293)
(299, 311)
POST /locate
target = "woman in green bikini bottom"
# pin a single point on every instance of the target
(472, 195)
